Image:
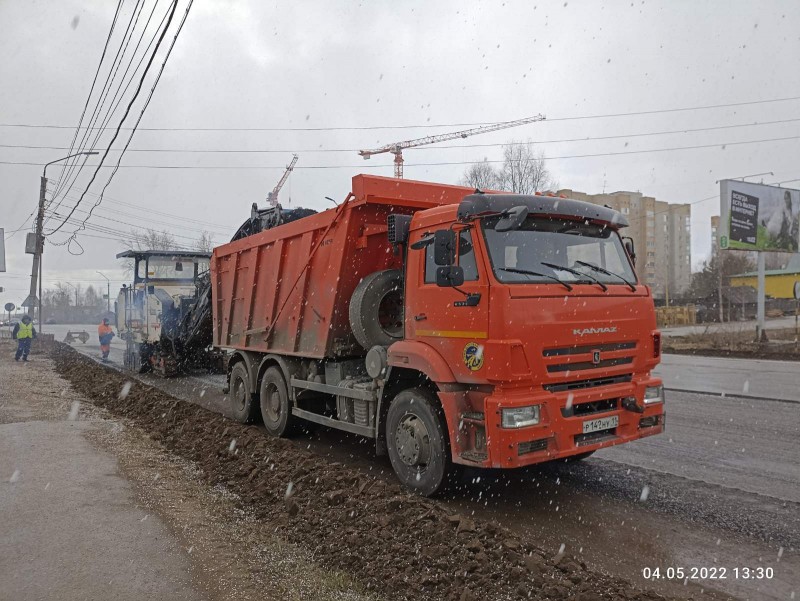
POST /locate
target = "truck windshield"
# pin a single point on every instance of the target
(538, 250)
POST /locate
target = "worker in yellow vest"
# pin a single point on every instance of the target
(24, 333)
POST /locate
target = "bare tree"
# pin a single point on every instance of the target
(482, 176)
(154, 240)
(204, 243)
(524, 170)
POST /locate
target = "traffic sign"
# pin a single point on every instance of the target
(10, 307)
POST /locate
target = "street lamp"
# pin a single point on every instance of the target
(36, 270)
(108, 293)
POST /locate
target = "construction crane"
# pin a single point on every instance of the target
(272, 197)
(396, 148)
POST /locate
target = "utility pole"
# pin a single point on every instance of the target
(36, 268)
(108, 293)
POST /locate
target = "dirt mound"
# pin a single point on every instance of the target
(395, 543)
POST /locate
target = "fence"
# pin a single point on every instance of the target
(676, 316)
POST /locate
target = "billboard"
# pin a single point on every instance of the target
(759, 217)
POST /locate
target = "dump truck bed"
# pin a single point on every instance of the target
(287, 290)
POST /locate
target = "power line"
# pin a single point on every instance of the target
(127, 111)
(110, 77)
(144, 108)
(432, 147)
(118, 97)
(94, 81)
(429, 125)
(720, 145)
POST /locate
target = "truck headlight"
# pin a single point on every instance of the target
(519, 417)
(653, 394)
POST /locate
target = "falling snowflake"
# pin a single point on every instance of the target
(14, 477)
(73, 411)
(232, 446)
(645, 493)
(289, 490)
(126, 388)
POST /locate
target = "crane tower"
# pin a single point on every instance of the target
(397, 148)
(272, 197)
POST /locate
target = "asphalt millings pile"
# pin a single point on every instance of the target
(395, 543)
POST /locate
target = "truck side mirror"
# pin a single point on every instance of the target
(449, 276)
(511, 219)
(444, 247)
(628, 243)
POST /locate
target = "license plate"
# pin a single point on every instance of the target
(602, 423)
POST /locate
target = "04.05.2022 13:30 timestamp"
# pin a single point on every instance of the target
(709, 573)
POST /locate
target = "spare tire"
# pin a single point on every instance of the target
(376, 309)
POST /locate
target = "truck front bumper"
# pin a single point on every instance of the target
(481, 440)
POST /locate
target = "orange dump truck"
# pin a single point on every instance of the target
(452, 327)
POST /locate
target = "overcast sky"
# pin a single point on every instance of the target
(252, 64)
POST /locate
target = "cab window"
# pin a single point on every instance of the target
(466, 260)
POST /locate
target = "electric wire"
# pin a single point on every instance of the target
(107, 85)
(719, 145)
(437, 125)
(94, 81)
(127, 111)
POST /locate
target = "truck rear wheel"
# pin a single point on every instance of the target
(276, 410)
(417, 443)
(376, 309)
(240, 395)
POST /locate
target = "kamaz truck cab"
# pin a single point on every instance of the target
(527, 312)
(164, 287)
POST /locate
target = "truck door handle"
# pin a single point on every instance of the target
(420, 317)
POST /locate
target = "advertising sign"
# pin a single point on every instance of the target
(759, 217)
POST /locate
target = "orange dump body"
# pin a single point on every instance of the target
(287, 290)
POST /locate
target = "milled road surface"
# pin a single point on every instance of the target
(719, 488)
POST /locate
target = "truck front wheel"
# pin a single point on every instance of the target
(275, 408)
(416, 441)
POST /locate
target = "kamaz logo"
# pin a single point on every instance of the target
(585, 331)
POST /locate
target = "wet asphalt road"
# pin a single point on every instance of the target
(721, 485)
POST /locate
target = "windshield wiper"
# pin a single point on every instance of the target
(607, 272)
(576, 272)
(537, 274)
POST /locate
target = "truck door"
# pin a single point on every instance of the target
(440, 317)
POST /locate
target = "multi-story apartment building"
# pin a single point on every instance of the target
(661, 233)
(714, 234)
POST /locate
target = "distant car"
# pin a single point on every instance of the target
(50, 321)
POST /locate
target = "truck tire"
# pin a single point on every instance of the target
(376, 309)
(416, 441)
(276, 411)
(240, 395)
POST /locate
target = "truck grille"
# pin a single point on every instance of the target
(588, 348)
(579, 365)
(581, 409)
(590, 383)
(582, 356)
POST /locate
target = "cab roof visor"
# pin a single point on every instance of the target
(475, 205)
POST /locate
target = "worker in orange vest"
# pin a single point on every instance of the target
(105, 333)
